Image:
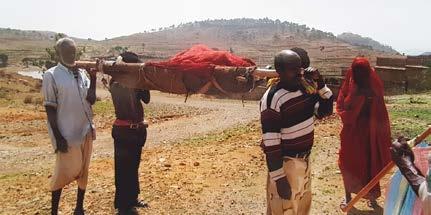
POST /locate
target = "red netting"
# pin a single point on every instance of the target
(200, 60)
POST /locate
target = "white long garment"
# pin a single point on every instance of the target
(425, 196)
(67, 92)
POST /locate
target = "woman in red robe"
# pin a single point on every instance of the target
(365, 136)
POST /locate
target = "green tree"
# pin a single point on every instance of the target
(116, 50)
(53, 57)
(276, 37)
(26, 61)
(3, 60)
(59, 36)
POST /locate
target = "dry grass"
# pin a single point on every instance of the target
(217, 173)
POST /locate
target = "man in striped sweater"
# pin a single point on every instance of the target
(287, 117)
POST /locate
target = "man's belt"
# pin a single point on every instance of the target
(130, 124)
(303, 155)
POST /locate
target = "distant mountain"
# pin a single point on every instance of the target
(26, 34)
(257, 39)
(426, 54)
(366, 42)
(20, 44)
(242, 30)
(40, 36)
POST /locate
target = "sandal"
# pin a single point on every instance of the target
(373, 204)
(343, 204)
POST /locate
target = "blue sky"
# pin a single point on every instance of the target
(405, 25)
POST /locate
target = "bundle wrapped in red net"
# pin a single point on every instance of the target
(200, 60)
(199, 69)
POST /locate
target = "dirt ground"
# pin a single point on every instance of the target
(201, 157)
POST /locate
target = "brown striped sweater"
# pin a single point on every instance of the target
(288, 123)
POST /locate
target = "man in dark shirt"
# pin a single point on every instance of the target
(129, 133)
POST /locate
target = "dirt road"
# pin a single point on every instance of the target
(219, 115)
(205, 161)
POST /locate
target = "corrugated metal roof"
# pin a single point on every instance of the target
(391, 68)
(417, 67)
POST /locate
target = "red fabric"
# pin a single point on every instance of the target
(200, 60)
(365, 136)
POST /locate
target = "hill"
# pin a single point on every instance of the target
(366, 42)
(8, 33)
(258, 39)
(20, 44)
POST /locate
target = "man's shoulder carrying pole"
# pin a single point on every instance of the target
(415, 141)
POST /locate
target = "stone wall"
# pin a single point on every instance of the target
(391, 62)
(408, 74)
(394, 79)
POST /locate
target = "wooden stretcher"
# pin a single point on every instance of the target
(227, 80)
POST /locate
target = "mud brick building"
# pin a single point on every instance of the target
(405, 74)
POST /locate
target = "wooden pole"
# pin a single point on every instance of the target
(265, 73)
(85, 64)
(382, 173)
(109, 65)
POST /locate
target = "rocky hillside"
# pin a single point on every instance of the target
(366, 42)
(258, 39)
(24, 34)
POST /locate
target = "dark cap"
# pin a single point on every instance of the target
(286, 59)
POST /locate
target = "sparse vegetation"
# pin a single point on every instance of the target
(3, 94)
(409, 114)
(276, 37)
(3, 60)
(213, 168)
(53, 58)
(39, 62)
(28, 100)
(32, 99)
(223, 167)
(39, 35)
(116, 50)
(252, 39)
(365, 42)
(269, 25)
(154, 112)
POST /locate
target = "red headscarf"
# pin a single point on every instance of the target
(349, 84)
(349, 106)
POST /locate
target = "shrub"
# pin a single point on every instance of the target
(3, 60)
(38, 101)
(28, 100)
(38, 85)
(3, 94)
